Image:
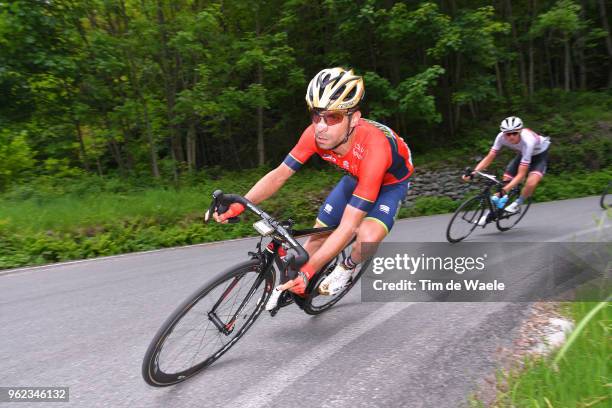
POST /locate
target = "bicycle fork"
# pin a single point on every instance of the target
(228, 328)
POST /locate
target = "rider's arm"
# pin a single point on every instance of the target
(274, 180)
(484, 163)
(269, 184)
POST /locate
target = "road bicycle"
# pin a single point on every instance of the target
(208, 323)
(606, 197)
(466, 217)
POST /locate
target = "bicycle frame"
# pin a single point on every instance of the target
(490, 183)
(269, 257)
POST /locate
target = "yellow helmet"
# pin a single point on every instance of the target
(335, 89)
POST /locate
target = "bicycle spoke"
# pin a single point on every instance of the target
(195, 338)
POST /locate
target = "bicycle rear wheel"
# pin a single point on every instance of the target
(465, 219)
(506, 221)
(207, 324)
(315, 303)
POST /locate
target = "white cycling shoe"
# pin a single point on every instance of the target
(273, 299)
(483, 220)
(335, 281)
(513, 208)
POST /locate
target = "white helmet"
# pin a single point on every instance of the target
(511, 124)
(335, 89)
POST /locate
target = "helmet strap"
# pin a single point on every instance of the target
(348, 134)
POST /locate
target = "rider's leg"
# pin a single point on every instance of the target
(509, 174)
(373, 229)
(537, 169)
(330, 212)
(512, 168)
(533, 179)
(379, 221)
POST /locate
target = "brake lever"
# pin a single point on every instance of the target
(213, 205)
(217, 206)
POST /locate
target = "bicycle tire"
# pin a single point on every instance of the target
(473, 215)
(310, 304)
(604, 196)
(152, 371)
(500, 222)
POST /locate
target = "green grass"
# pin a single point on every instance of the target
(65, 211)
(580, 379)
(68, 212)
(51, 223)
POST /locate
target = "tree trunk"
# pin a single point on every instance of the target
(531, 51)
(170, 81)
(531, 68)
(582, 66)
(229, 136)
(99, 165)
(606, 27)
(566, 69)
(116, 153)
(260, 135)
(456, 81)
(498, 78)
(113, 147)
(82, 152)
(549, 66)
(518, 47)
(150, 139)
(191, 146)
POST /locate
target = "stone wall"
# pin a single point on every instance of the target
(438, 183)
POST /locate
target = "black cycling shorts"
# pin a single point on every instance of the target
(538, 164)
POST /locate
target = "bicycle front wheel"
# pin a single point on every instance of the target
(465, 219)
(207, 324)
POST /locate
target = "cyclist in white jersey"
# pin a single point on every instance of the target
(530, 163)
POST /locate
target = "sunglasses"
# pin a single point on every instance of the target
(330, 118)
(511, 133)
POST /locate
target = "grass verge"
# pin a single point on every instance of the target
(580, 377)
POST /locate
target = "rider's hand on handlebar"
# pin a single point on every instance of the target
(467, 178)
(468, 174)
(234, 210)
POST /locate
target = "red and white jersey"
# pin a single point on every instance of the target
(530, 144)
(377, 157)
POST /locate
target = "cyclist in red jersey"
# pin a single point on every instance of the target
(364, 202)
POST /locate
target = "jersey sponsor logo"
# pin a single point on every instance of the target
(384, 208)
(329, 157)
(345, 164)
(358, 151)
(328, 208)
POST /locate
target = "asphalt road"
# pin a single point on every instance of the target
(87, 324)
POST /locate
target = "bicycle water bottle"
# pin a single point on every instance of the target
(502, 201)
(495, 200)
